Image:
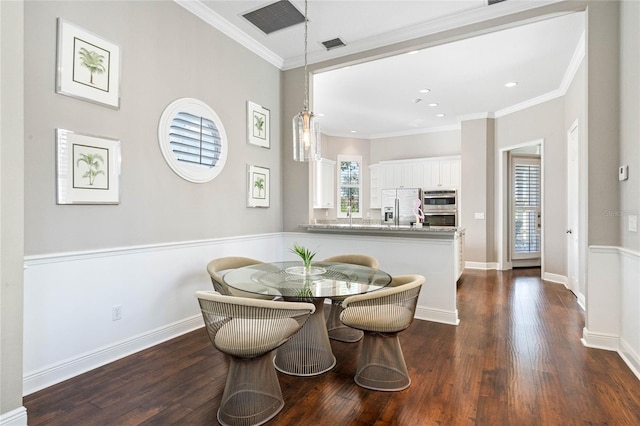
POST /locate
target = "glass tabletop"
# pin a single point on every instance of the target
(324, 280)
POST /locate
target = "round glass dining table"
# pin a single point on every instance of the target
(308, 352)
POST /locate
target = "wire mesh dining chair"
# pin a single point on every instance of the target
(217, 266)
(249, 330)
(382, 315)
(336, 329)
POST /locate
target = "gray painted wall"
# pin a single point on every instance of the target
(477, 188)
(603, 120)
(630, 120)
(436, 144)
(544, 121)
(167, 53)
(11, 205)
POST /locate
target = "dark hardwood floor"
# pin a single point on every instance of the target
(515, 359)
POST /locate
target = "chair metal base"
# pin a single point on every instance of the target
(308, 352)
(381, 365)
(336, 329)
(252, 395)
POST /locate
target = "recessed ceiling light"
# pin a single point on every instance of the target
(353, 131)
(511, 84)
(320, 114)
(440, 115)
(433, 105)
(413, 52)
(425, 90)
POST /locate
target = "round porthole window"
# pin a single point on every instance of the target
(192, 140)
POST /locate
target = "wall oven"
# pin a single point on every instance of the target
(440, 207)
(442, 218)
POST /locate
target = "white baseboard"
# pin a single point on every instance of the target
(555, 278)
(582, 301)
(17, 417)
(485, 266)
(72, 367)
(436, 315)
(600, 340)
(630, 357)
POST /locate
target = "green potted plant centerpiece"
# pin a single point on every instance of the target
(306, 271)
(305, 254)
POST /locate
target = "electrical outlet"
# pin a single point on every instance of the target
(116, 313)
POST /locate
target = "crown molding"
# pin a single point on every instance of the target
(370, 136)
(474, 16)
(409, 33)
(210, 17)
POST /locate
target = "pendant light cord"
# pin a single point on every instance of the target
(306, 74)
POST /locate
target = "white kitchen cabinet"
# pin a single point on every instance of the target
(324, 184)
(400, 174)
(441, 173)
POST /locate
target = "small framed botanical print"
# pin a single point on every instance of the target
(88, 169)
(258, 186)
(258, 125)
(88, 66)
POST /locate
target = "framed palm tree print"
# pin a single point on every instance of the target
(88, 66)
(88, 168)
(258, 186)
(258, 125)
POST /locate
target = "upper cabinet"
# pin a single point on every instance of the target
(425, 173)
(324, 184)
(442, 172)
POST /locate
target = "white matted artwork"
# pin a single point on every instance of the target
(88, 168)
(258, 186)
(88, 66)
(258, 125)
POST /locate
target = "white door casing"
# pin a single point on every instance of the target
(573, 208)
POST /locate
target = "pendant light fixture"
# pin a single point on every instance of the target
(306, 131)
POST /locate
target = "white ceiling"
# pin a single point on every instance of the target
(379, 99)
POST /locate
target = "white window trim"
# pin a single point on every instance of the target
(349, 158)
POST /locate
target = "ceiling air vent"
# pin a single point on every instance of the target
(490, 2)
(333, 43)
(275, 16)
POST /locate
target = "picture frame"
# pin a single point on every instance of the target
(257, 186)
(88, 66)
(258, 125)
(87, 168)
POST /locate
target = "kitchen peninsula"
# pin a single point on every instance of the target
(435, 252)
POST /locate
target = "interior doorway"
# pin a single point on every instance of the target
(520, 242)
(525, 214)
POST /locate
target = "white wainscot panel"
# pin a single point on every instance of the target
(613, 297)
(68, 327)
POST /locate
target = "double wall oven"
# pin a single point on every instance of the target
(440, 207)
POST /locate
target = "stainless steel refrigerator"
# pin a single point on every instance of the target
(399, 205)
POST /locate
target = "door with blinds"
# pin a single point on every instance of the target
(525, 210)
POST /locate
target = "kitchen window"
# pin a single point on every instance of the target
(349, 186)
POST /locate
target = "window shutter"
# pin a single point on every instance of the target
(195, 140)
(527, 207)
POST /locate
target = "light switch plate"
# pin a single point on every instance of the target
(633, 223)
(623, 172)
(479, 216)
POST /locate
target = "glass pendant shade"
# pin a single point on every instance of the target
(306, 137)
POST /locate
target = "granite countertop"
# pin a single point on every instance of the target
(425, 231)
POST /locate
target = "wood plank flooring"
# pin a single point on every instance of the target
(515, 359)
